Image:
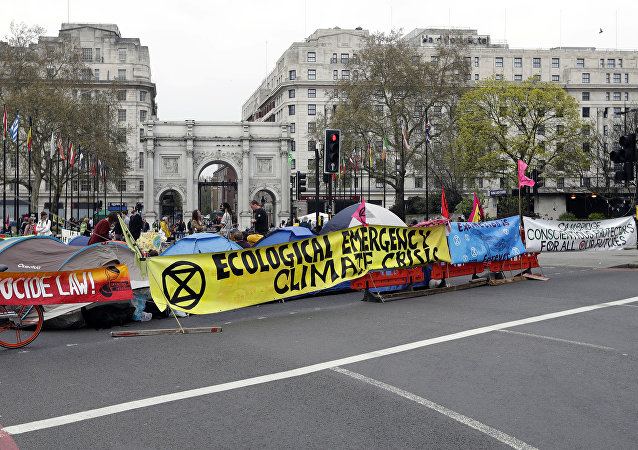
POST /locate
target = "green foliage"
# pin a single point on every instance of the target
(596, 216)
(567, 216)
(537, 122)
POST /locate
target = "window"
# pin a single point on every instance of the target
(536, 63)
(141, 185)
(540, 130)
(626, 95)
(617, 77)
(291, 110)
(293, 164)
(607, 79)
(87, 54)
(312, 126)
(498, 61)
(626, 78)
(379, 183)
(312, 74)
(434, 58)
(468, 60)
(335, 74)
(580, 62)
(602, 63)
(518, 62)
(122, 54)
(142, 115)
(585, 96)
(311, 163)
(476, 77)
(333, 60)
(293, 127)
(555, 77)
(121, 115)
(86, 74)
(555, 63)
(345, 74)
(141, 134)
(312, 57)
(312, 146)
(142, 96)
(560, 183)
(607, 96)
(585, 78)
(498, 76)
(611, 63)
(121, 95)
(585, 111)
(344, 58)
(121, 74)
(292, 75)
(97, 74)
(140, 163)
(476, 61)
(585, 181)
(293, 146)
(605, 130)
(312, 93)
(86, 186)
(418, 182)
(312, 110)
(97, 55)
(620, 63)
(616, 96)
(291, 93)
(616, 112)
(123, 185)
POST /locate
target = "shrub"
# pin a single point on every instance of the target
(596, 216)
(567, 216)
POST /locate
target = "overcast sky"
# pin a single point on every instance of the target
(207, 57)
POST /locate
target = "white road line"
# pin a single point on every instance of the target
(160, 399)
(485, 429)
(549, 338)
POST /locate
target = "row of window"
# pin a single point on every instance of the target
(616, 97)
(617, 77)
(311, 57)
(312, 110)
(87, 55)
(121, 115)
(312, 93)
(312, 74)
(121, 95)
(536, 62)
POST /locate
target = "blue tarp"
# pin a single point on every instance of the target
(201, 243)
(485, 241)
(284, 234)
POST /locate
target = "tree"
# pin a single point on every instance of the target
(47, 81)
(393, 86)
(501, 122)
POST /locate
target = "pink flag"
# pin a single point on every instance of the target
(522, 179)
(477, 214)
(360, 213)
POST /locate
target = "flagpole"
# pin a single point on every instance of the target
(427, 203)
(50, 178)
(71, 200)
(16, 207)
(29, 149)
(4, 172)
(384, 181)
(369, 166)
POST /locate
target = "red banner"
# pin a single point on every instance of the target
(103, 284)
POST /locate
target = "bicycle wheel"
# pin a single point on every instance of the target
(19, 324)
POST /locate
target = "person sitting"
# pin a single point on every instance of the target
(101, 232)
(238, 238)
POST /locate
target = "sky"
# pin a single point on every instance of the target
(208, 56)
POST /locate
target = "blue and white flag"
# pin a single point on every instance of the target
(485, 241)
(14, 129)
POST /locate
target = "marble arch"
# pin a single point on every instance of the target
(176, 152)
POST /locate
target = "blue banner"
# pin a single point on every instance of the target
(485, 241)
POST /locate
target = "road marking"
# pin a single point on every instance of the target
(549, 338)
(485, 429)
(160, 399)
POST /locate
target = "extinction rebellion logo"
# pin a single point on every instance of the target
(184, 284)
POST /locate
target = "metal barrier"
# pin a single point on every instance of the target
(385, 278)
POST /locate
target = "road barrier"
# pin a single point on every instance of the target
(386, 278)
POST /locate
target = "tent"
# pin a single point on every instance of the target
(312, 218)
(201, 243)
(79, 241)
(284, 234)
(375, 215)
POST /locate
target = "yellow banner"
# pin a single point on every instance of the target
(214, 282)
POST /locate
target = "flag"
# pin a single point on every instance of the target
(132, 244)
(71, 155)
(370, 154)
(428, 131)
(4, 122)
(80, 157)
(522, 179)
(385, 146)
(289, 157)
(14, 129)
(444, 210)
(93, 167)
(69, 151)
(477, 211)
(360, 213)
(60, 148)
(29, 140)
(405, 139)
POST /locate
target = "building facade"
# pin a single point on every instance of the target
(604, 82)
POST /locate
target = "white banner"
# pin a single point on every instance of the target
(594, 235)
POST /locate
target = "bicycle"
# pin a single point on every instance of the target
(19, 324)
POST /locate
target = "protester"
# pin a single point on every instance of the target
(125, 217)
(135, 225)
(165, 228)
(43, 228)
(227, 219)
(180, 228)
(29, 229)
(145, 226)
(196, 225)
(101, 232)
(238, 238)
(260, 220)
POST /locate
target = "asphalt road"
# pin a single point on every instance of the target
(545, 364)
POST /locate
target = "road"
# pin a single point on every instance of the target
(533, 364)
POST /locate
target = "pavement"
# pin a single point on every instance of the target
(602, 259)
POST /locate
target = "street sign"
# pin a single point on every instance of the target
(497, 192)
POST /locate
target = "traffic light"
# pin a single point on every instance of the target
(539, 182)
(301, 184)
(624, 154)
(138, 207)
(331, 156)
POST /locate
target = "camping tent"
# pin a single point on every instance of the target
(79, 241)
(201, 243)
(312, 218)
(375, 215)
(285, 234)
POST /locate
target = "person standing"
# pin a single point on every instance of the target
(43, 228)
(196, 224)
(29, 228)
(260, 220)
(164, 227)
(227, 219)
(145, 226)
(135, 225)
(180, 228)
(101, 232)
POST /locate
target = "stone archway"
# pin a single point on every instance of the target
(171, 206)
(268, 201)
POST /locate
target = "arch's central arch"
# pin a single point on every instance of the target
(176, 154)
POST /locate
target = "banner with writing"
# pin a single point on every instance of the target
(213, 282)
(103, 284)
(485, 241)
(591, 235)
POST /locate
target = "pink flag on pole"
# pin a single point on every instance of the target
(360, 213)
(522, 179)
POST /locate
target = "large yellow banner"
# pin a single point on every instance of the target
(214, 282)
